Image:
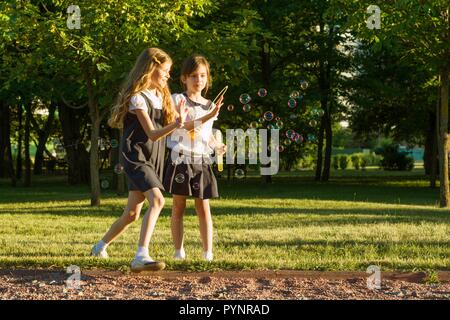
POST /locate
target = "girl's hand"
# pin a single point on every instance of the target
(183, 112)
(221, 149)
(216, 109)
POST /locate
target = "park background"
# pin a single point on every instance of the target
(358, 186)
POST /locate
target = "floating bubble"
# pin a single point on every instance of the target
(320, 112)
(279, 124)
(270, 126)
(300, 139)
(277, 119)
(254, 125)
(280, 148)
(262, 92)
(104, 184)
(230, 107)
(313, 123)
(118, 169)
(196, 186)
(261, 120)
(287, 142)
(294, 95)
(247, 108)
(311, 137)
(245, 98)
(304, 84)
(289, 133)
(239, 173)
(114, 143)
(179, 178)
(296, 137)
(268, 115)
(292, 103)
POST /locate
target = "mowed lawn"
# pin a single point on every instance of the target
(355, 220)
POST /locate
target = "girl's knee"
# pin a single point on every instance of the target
(158, 202)
(131, 216)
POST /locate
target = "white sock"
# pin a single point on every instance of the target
(142, 252)
(101, 245)
(180, 253)
(208, 255)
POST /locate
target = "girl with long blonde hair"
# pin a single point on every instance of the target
(145, 112)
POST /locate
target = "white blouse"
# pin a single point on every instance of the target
(138, 102)
(180, 140)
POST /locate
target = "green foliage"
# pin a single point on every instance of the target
(356, 161)
(343, 161)
(335, 162)
(393, 159)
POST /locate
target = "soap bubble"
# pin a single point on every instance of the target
(254, 125)
(261, 120)
(247, 108)
(118, 169)
(294, 95)
(262, 92)
(304, 84)
(292, 103)
(268, 115)
(104, 184)
(279, 124)
(245, 98)
(289, 133)
(196, 186)
(313, 123)
(230, 107)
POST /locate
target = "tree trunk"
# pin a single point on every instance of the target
(328, 145)
(265, 74)
(6, 160)
(77, 156)
(320, 150)
(19, 144)
(28, 115)
(94, 114)
(443, 138)
(43, 137)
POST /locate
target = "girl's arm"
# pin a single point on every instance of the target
(156, 134)
(190, 125)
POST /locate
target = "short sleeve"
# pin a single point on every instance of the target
(137, 102)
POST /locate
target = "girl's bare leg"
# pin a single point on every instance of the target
(176, 222)
(206, 226)
(130, 214)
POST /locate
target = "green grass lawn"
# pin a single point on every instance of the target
(389, 219)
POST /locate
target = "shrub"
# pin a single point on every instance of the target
(343, 161)
(336, 162)
(356, 160)
(395, 160)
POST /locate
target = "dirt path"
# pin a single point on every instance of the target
(100, 284)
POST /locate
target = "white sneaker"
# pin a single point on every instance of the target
(97, 252)
(208, 256)
(146, 264)
(179, 255)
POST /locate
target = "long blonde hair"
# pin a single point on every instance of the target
(140, 78)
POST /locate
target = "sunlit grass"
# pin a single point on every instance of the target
(294, 223)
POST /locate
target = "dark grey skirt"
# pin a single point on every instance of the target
(190, 179)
